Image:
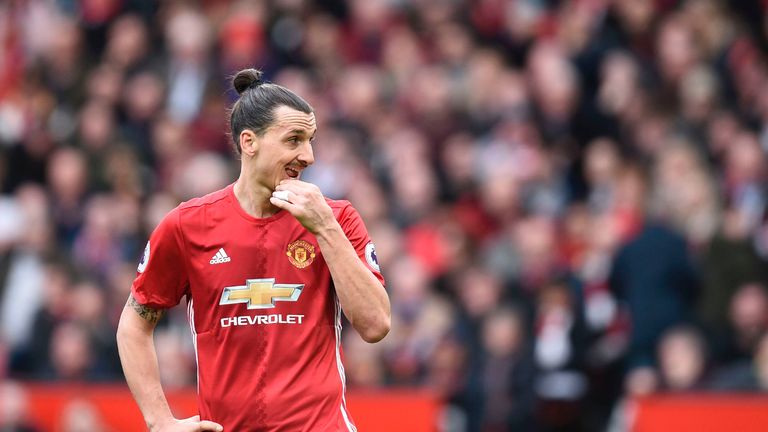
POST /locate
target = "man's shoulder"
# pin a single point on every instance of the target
(337, 204)
(341, 208)
(213, 198)
(196, 210)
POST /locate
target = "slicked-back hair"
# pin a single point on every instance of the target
(258, 100)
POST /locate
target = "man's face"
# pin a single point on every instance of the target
(285, 148)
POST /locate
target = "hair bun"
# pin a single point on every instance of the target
(246, 79)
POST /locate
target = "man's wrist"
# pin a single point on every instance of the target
(328, 231)
(159, 424)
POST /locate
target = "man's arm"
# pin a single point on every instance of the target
(139, 359)
(362, 297)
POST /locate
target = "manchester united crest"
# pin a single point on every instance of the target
(300, 253)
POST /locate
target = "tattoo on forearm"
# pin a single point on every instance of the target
(149, 314)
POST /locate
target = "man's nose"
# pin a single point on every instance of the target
(307, 155)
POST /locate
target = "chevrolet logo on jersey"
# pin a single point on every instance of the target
(260, 293)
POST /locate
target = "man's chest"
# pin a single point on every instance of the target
(257, 276)
(235, 250)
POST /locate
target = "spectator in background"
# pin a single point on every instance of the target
(68, 178)
(89, 309)
(683, 359)
(189, 39)
(176, 366)
(560, 384)
(683, 194)
(81, 416)
(14, 410)
(507, 374)
(747, 321)
(74, 356)
(480, 292)
(653, 274)
(97, 246)
(424, 320)
(748, 375)
(128, 45)
(24, 235)
(729, 262)
(141, 101)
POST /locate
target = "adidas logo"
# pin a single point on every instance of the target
(220, 257)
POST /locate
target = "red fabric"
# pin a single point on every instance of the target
(629, 223)
(242, 41)
(424, 242)
(99, 11)
(700, 412)
(469, 213)
(12, 66)
(254, 375)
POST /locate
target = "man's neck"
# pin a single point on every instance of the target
(254, 198)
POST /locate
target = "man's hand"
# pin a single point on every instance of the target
(361, 295)
(192, 424)
(306, 203)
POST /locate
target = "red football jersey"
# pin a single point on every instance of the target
(265, 320)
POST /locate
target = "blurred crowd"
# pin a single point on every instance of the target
(568, 198)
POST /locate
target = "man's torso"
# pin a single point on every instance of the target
(265, 320)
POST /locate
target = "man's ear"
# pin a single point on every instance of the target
(249, 142)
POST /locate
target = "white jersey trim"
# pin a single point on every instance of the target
(343, 407)
(191, 317)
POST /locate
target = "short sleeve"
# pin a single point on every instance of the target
(355, 230)
(161, 278)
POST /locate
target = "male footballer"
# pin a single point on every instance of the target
(267, 265)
